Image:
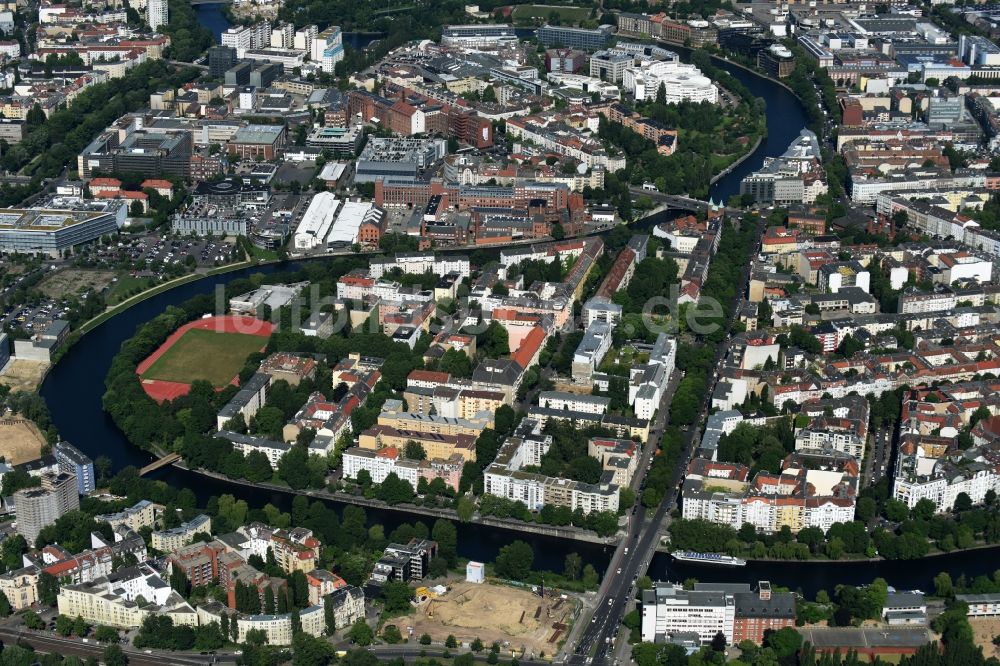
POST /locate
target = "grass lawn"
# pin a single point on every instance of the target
(125, 287)
(569, 15)
(200, 354)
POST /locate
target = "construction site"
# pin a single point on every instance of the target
(522, 620)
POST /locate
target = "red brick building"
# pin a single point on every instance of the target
(761, 611)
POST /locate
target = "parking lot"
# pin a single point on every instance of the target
(156, 251)
(36, 318)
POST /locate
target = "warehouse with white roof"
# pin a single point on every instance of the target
(352, 216)
(316, 221)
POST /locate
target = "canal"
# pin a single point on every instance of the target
(74, 387)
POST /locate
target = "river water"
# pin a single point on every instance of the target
(74, 387)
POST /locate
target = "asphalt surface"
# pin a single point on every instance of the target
(616, 596)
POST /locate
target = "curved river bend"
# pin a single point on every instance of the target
(74, 387)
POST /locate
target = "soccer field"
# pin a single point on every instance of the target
(209, 355)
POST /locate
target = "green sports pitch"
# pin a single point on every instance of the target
(213, 356)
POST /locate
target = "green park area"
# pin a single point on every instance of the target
(567, 15)
(209, 355)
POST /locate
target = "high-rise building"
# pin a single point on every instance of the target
(73, 461)
(39, 507)
(156, 13)
(220, 59)
(328, 48)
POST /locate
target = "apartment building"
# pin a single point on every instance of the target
(250, 398)
(111, 600)
(73, 461)
(573, 402)
(814, 489)
(593, 347)
(505, 476)
(20, 586)
(167, 541)
(388, 460)
(405, 562)
(37, 508)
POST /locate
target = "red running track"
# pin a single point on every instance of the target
(160, 390)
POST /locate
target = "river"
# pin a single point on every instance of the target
(74, 387)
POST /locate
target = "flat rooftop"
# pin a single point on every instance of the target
(36, 219)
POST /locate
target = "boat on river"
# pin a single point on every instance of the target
(708, 558)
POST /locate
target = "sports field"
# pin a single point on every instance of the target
(199, 354)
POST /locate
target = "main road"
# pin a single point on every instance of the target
(616, 594)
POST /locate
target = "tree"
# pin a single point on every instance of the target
(257, 468)
(895, 510)
(515, 560)
(64, 625)
(254, 636)
(102, 467)
(32, 620)
(785, 642)
(494, 341)
(114, 656)
(425, 639)
(924, 509)
(415, 451)
(504, 420)
(328, 615)
(446, 536)
(450, 642)
(105, 634)
(179, 582)
(360, 633)
(397, 596)
(465, 509)
(866, 509)
(476, 645)
(589, 576)
(572, 566)
(80, 627)
(5, 607)
(963, 502)
(391, 634)
(719, 642)
(943, 586)
(48, 588)
(394, 490)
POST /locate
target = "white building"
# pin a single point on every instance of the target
(328, 49)
(111, 600)
(167, 541)
(246, 444)
(156, 13)
(941, 480)
(669, 609)
(486, 37)
(647, 382)
(304, 38)
(505, 476)
(418, 263)
(378, 463)
(244, 38)
(593, 347)
(316, 222)
(681, 82)
(574, 402)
